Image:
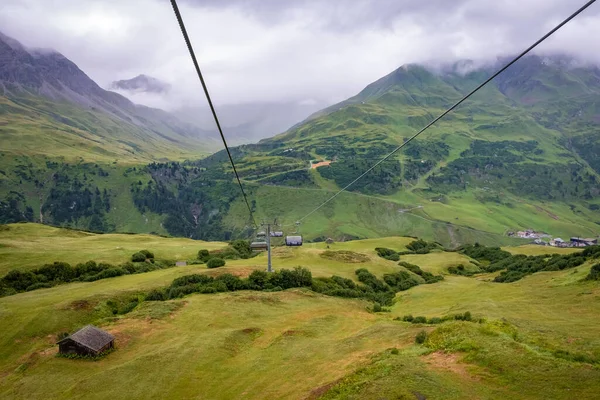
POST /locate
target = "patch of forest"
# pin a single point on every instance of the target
(517, 266)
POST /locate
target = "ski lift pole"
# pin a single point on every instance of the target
(269, 266)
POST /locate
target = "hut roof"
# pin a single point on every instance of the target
(91, 337)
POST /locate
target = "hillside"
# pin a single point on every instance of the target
(250, 343)
(48, 106)
(522, 154)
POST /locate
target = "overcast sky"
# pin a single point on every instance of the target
(288, 50)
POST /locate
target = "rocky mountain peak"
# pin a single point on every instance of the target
(141, 84)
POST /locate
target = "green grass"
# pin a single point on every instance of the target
(297, 344)
(34, 126)
(26, 246)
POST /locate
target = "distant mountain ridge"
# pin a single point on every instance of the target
(523, 153)
(50, 75)
(142, 83)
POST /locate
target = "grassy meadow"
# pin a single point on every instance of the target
(27, 246)
(538, 339)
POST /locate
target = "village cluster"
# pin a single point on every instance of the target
(542, 239)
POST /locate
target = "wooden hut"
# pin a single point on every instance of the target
(88, 341)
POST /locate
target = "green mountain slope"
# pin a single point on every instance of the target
(522, 153)
(49, 106)
(35, 126)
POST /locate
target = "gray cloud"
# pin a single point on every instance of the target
(282, 51)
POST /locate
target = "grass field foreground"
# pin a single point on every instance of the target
(538, 337)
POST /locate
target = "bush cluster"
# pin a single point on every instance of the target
(215, 262)
(427, 276)
(388, 254)
(515, 267)
(421, 337)
(258, 280)
(484, 253)
(435, 320)
(373, 289)
(594, 274)
(462, 271)
(518, 266)
(57, 273)
(420, 246)
(237, 249)
(400, 281)
(142, 256)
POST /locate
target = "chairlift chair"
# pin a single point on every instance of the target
(294, 240)
(259, 246)
(260, 242)
(276, 234)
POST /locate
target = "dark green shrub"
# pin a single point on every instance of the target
(242, 247)
(156, 295)
(371, 280)
(258, 279)
(18, 280)
(411, 267)
(57, 271)
(344, 282)
(400, 281)
(147, 254)
(467, 316)
(408, 318)
(185, 280)
(128, 307)
(39, 285)
(395, 351)
(591, 252)
(393, 257)
(384, 252)
(219, 286)
(229, 253)
(421, 337)
(434, 320)
(419, 320)
(107, 273)
(422, 247)
(377, 307)
(215, 262)
(594, 274)
(232, 282)
(7, 291)
(203, 255)
(483, 253)
(180, 291)
(88, 268)
(129, 267)
(138, 257)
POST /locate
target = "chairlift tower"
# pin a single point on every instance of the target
(269, 233)
(269, 266)
(273, 229)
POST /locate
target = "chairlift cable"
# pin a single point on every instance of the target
(210, 103)
(472, 92)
